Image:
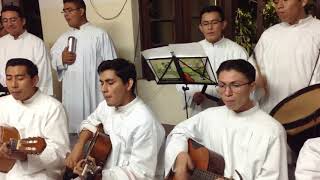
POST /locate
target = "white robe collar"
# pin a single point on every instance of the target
(30, 100)
(300, 22)
(245, 113)
(83, 26)
(221, 41)
(24, 34)
(126, 109)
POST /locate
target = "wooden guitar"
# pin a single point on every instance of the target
(99, 149)
(10, 135)
(208, 164)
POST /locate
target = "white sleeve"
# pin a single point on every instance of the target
(56, 55)
(93, 120)
(142, 164)
(177, 140)
(275, 163)
(309, 161)
(55, 132)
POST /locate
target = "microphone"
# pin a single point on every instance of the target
(72, 44)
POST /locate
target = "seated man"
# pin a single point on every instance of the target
(251, 142)
(136, 136)
(309, 161)
(33, 114)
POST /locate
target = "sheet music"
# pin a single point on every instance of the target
(191, 60)
(157, 53)
(188, 50)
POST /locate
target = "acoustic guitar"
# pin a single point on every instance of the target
(10, 135)
(208, 165)
(99, 149)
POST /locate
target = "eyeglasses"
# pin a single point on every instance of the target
(12, 20)
(68, 11)
(210, 23)
(234, 87)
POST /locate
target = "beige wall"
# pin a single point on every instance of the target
(162, 99)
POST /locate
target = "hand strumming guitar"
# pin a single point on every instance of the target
(183, 166)
(77, 152)
(198, 97)
(6, 152)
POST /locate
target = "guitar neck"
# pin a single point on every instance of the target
(206, 175)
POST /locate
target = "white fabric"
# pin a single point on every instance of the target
(251, 142)
(39, 116)
(80, 86)
(137, 139)
(30, 47)
(287, 55)
(309, 161)
(223, 50)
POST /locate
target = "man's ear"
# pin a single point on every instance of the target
(82, 12)
(201, 28)
(252, 86)
(130, 84)
(224, 25)
(24, 22)
(35, 80)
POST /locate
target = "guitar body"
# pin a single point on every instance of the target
(208, 165)
(99, 148)
(7, 133)
(11, 136)
(204, 159)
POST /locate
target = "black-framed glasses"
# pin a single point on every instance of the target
(234, 87)
(210, 23)
(12, 20)
(68, 11)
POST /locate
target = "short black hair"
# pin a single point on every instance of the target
(32, 69)
(239, 65)
(209, 9)
(16, 9)
(123, 69)
(79, 3)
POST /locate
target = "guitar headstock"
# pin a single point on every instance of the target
(32, 145)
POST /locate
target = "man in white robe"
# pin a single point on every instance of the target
(77, 70)
(218, 49)
(33, 114)
(21, 44)
(250, 141)
(288, 53)
(137, 137)
(308, 164)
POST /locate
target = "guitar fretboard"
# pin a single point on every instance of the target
(206, 175)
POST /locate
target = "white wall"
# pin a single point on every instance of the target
(162, 99)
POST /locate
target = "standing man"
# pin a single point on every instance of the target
(250, 141)
(21, 44)
(33, 114)
(93, 45)
(136, 135)
(217, 48)
(288, 53)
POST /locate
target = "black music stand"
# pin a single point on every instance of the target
(182, 70)
(3, 90)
